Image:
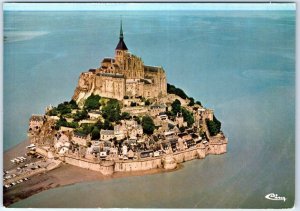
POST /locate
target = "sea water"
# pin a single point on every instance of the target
(239, 63)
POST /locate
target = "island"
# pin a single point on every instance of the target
(123, 117)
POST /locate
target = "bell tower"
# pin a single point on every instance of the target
(121, 48)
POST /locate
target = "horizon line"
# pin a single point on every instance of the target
(100, 6)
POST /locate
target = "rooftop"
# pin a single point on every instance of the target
(81, 135)
(106, 132)
(110, 60)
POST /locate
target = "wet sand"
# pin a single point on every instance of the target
(16, 151)
(64, 175)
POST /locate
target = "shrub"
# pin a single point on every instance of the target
(192, 101)
(214, 126)
(80, 115)
(125, 115)
(148, 125)
(176, 107)
(171, 89)
(95, 133)
(92, 102)
(188, 117)
(111, 111)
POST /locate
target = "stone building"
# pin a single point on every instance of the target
(80, 139)
(36, 122)
(123, 75)
(106, 135)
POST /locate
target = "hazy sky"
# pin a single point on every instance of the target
(145, 6)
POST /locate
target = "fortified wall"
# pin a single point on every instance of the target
(168, 161)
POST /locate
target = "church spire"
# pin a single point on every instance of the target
(121, 45)
(121, 31)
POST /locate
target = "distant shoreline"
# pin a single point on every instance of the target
(62, 176)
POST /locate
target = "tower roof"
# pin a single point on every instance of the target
(121, 45)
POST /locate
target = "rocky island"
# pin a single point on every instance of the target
(123, 117)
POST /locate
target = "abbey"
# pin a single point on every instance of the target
(124, 76)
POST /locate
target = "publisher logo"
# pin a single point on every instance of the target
(275, 197)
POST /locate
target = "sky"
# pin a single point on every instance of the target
(145, 6)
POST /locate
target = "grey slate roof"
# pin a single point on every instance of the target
(106, 132)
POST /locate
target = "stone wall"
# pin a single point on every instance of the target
(110, 87)
(134, 88)
(139, 165)
(186, 155)
(217, 149)
(82, 163)
(104, 167)
(108, 167)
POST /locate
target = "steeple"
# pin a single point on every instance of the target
(121, 45)
(121, 31)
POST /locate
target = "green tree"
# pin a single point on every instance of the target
(171, 89)
(176, 107)
(218, 123)
(92, 102)
(148, 125)
(85, 129)
(107, 125)
(125, 115)
(192, 101)
(53, 112)
(63, 122)
(95, 133)
(71, 124)
(198, 103)
(112, 110)
(214, 126)
(80, 115)
(64, 108)
(137, 119)
(99, 124)
(188, 117)
(73, 104)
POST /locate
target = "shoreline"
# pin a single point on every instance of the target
(59, 177)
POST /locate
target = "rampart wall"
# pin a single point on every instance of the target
(109, 167)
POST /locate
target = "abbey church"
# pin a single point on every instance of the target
(125, 75)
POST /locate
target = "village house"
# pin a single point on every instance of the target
(106, 135)
(120, 131)
(155, 109)
(81, 139)
(136, 131)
